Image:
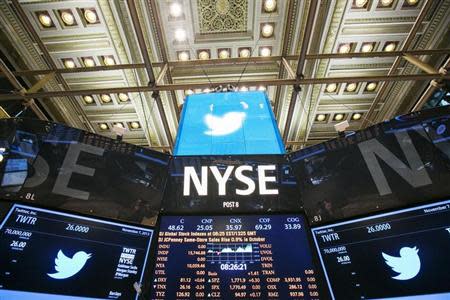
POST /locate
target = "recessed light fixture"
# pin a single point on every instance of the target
(360, 3)
(123, 97)
(135, 125)
(105, 98)
(367, 47)
(88, 99)
(270, 5)
(386, 3)
(189, 92)
(371, 86)
(331, 88)
(69, 63)
(103, 126)
(321, 117)
(180, 35)
(175, 10)
(390, 46)
(45, 20)
(261, 88)
(88, 62)
(109, 60)
(67, 18)
(244, 52)
(356, 116)
(267, 30)
(203, 55)
(351, 87)
(207, 90)
(243, 89)
(224, 53)
(119, 124)
(90, 15)
(412, 2)
(265, 51)
(344, 48)
(338, 117)
(183, 55)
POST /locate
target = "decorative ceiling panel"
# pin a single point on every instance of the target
(222, 16)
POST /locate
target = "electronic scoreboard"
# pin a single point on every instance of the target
(234, 257)
(47, 254)
(402, 254)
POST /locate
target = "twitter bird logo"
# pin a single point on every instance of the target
(227, 124)
(67, 267)
(407, 265)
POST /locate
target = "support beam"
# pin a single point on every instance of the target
(157, 98)
(420, 64)
(41, 83)
(162, 74)
(288, 68)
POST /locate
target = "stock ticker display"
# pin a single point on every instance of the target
(402, 254)
(234, 257)
(53, 255)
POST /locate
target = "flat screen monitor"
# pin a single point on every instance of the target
(234, 257)
(47, 254)
(404, 254)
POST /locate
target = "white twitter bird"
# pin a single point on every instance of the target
(227, 124)
(407, 265)
(67, 267)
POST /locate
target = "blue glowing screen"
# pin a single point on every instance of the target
(228, 123)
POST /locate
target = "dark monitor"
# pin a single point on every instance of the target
(404, 254)
(46, 254)
(234, 257)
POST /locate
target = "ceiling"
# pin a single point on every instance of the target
(206, 43)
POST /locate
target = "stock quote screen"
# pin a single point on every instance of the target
(234, 257)
(53, 255)
(402, 254)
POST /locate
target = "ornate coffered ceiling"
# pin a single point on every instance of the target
(221, 34)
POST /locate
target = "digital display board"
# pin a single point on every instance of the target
(234, 257)
(402, 254)
(53, 255)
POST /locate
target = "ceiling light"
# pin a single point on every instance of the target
(338, 117)
(105, 98)
(88, 99)
(45, 20)
(203, 55)
(108, 61)
(69, 63)
(91, 16)
(371, 86)
(135, 125)
(224, 53)
(175, 9)
(356, 116)
(267, 30)
(321, 117)
(207, 90)
(123, 97)
(344, 48)
(243, 89)
(351, 87)
(331, 88)
(180, 35)
(103, 126)
(189, 92)
(389, 47)
(89, 62)
(412, 2)
(183, 55)
(68, 18)
(360, 3)
(386, 3)
(261, 88)
(119, 125)
(367, 47)
(265, 51)
(270, 5)
(244, 52)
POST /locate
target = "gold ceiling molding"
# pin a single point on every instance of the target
(222, 16)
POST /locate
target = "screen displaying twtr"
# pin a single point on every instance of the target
(402, 254)
(52, 255)
(234, 257)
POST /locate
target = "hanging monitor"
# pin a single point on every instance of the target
(47, 254)
(402, 254)
(234, 257)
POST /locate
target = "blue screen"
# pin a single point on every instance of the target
(52, 255)
(398, 255)
(234, 257)
(228, 123)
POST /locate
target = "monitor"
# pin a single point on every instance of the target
(47, 254)
(234, 257)
(402, 254)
